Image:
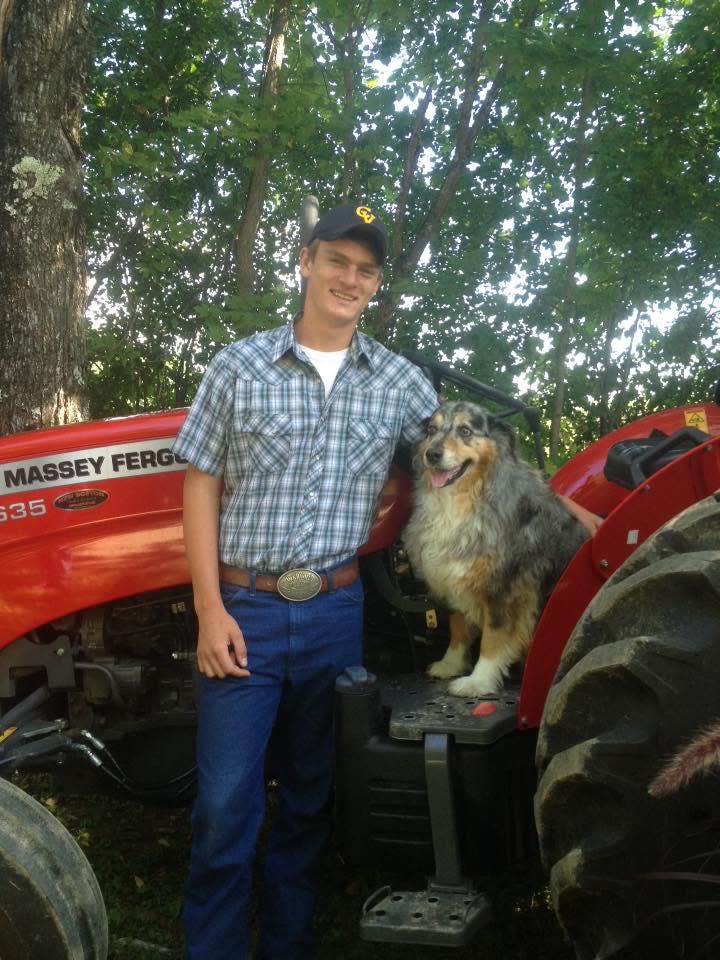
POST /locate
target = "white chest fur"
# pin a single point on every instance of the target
(443, 544)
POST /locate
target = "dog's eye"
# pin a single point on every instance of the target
(431, 429)
(465, 432)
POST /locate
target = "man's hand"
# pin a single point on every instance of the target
(221, 646)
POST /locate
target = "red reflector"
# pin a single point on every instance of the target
(484, 709)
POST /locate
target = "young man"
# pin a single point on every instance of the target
(289, 442)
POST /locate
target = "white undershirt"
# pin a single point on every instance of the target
(327, 364)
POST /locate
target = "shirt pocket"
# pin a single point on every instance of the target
(266, 440)
(370, 446)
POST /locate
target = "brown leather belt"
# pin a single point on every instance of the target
(299, 584)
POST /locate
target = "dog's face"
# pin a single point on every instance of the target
(462, 441)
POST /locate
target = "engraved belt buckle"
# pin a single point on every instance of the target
(299, 584)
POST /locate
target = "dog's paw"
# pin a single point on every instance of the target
(469, 687)
(442, 670)
(487, 677)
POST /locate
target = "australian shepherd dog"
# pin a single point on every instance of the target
(490, 539)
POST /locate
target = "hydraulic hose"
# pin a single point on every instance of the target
(25, 707)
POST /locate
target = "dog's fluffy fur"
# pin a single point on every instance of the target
(490, 539)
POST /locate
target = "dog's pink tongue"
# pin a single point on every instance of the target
(438, 478)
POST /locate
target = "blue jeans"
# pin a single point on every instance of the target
(295, 652)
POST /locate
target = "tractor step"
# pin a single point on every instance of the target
(450, 911)
(420, 705)
(433, 917)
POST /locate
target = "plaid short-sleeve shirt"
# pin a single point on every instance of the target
(302, 472)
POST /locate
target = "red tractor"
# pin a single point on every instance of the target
(97, 642)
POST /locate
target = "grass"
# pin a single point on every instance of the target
(140, 856)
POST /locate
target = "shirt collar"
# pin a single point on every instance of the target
(284, 340)
(360, 345)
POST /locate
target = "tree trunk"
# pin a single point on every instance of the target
(257, 188)
(617, 407)
(566, 306)
(608, 375)
(44, 55)
(559, 370)
(592, 14)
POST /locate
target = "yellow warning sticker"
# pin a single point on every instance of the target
(8, 732)
(697, 418)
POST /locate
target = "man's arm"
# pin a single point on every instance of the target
(221, 647)
(591, 521)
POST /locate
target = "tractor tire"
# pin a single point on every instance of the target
(51, 907)
(639, 679)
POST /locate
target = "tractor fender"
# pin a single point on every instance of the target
(92, 512)
(691, 477)
(582, 478)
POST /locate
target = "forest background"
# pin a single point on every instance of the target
(548, 171)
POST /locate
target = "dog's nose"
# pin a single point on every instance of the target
(433, 455)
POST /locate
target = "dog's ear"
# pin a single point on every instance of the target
(502, 432)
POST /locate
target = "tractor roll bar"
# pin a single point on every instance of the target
(439, 372)
(309, 213)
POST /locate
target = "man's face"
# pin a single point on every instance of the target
(342, 278)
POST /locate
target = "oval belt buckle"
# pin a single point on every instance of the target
(299, 584)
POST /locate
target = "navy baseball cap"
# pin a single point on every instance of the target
(340, 221)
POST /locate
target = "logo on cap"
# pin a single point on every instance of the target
(366, 214)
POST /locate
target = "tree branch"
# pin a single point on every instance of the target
(411, 158)
(468, 131)
(255, 197)
(106, 269)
